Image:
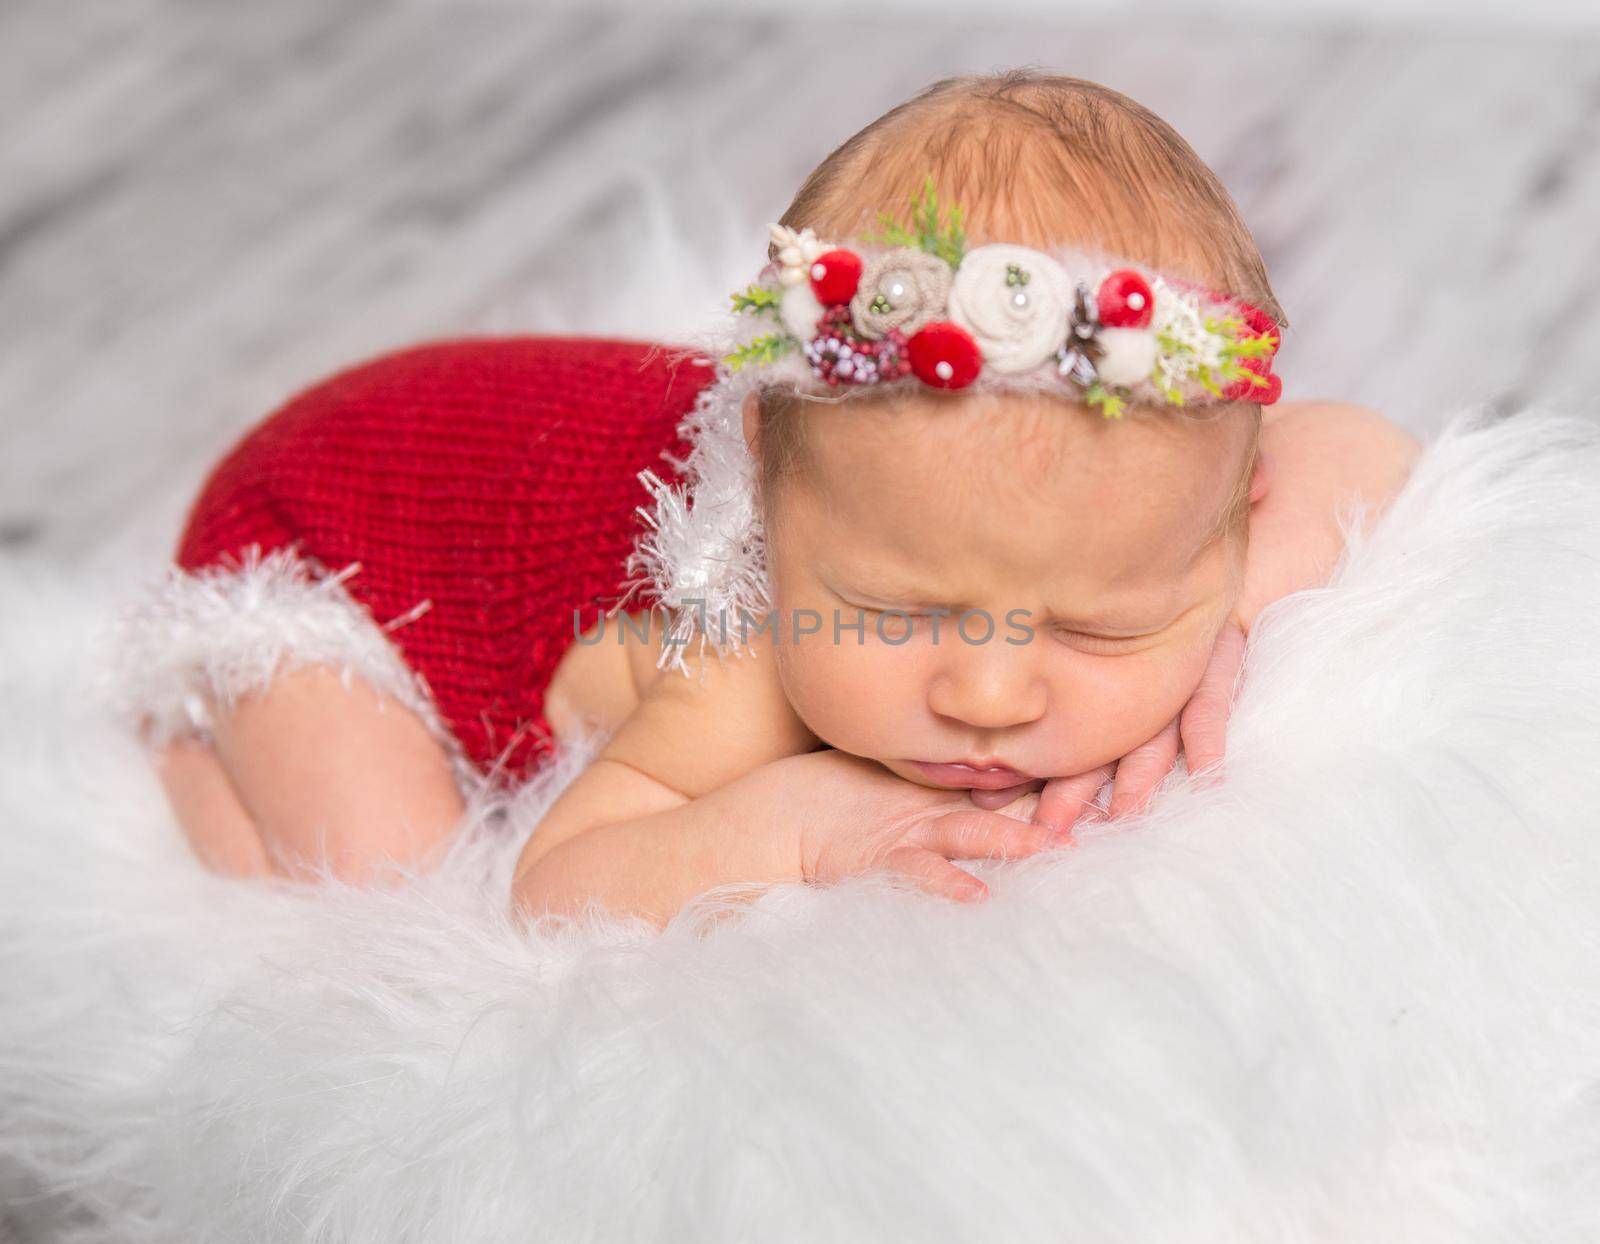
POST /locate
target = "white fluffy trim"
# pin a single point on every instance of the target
(704, 548)
(1352, 993)
(200, 642)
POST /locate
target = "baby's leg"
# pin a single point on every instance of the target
(207, 806)
(319, 771)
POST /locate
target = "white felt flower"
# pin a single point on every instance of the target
(800, 310)
(797, 251)
(1014, 300)
(1127, 355)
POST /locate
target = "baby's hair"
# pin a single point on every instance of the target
(1040, 160)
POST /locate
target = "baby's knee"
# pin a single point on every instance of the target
(335, 773)
(208, 810)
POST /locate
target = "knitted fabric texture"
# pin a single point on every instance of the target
(486, 488)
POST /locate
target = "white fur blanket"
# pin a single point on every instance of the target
(1353, 993)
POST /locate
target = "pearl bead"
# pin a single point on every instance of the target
(897, 289)
(943, 370)
(1019, 299)
(1136, 301)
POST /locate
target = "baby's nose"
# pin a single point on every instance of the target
(988, 690)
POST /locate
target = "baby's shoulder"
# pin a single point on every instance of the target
(1319, 455)
(697, 730)
(1341, 442)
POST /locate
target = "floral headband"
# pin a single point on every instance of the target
(919, 307)
(919, 304)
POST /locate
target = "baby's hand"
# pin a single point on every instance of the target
(856, 817)
(1202, 728)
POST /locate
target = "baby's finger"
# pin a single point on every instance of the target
(1141, 771)
(970, 834)
(1065, 800)
(1203, 723)
(935, 874)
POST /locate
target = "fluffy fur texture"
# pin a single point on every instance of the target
(702, 545)
(1351, 993)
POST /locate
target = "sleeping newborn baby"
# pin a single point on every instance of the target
(1023, 487)
(1001, 592)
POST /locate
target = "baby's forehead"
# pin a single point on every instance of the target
(1029, 483)
(1007, 437)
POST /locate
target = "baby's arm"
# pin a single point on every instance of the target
(706, 785)
(688, 737)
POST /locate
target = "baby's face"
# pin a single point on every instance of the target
(1094, 542)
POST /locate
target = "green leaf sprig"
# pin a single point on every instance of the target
(755, 299)
(933, 228)
(759, 352)
(1111, 406)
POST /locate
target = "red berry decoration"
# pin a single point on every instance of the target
(1125, 300)
(944, 355)
(840, 355)
(834, 277)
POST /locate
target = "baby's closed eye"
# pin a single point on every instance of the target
(1103, 644)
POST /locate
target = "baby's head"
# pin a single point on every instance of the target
(1102, 555)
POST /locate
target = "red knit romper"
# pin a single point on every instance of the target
(495, 478)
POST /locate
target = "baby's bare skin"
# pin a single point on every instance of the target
(312, 762)
(313, 771)
(603, 840)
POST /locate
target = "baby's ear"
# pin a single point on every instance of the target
(752, 424)
(1261, 476)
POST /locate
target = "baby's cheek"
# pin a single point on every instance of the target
(842, 691)
(1177, 679)
(1122, 705)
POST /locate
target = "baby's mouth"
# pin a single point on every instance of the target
(977, 778)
